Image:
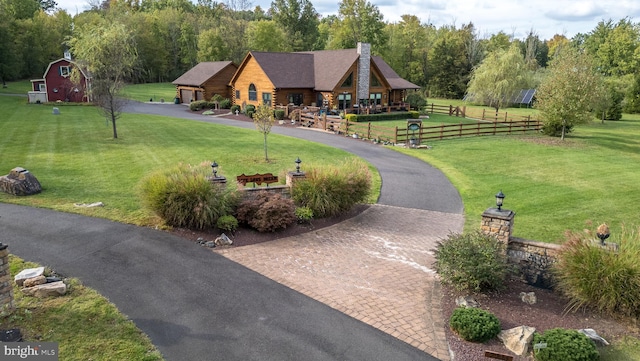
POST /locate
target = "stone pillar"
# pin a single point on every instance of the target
(7, 305)
(498, 223)
(293, 177)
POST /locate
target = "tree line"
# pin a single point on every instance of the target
(171, 36)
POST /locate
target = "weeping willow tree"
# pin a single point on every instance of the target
(499, 78)
(108, 52)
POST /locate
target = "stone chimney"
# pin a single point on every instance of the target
(364, 70)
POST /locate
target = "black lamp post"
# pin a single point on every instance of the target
(499, 199)
(344, 104)
(298, 161)
(214, 166)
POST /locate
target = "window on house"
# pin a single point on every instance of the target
(348, 83)
(253, 93)
(266, 99)
(375, 98)
(374, 80)
(42, 87)
(64, 71)
(344, 101)
(237, 94)
(295, 98)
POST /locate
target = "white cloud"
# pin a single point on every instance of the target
(514, 17)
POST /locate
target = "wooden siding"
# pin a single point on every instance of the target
(219, 84)
(282, 96)
(251, 73)
(60, 88)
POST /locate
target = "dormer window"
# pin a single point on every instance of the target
(64, 71)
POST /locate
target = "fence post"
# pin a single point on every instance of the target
(495, 128)
(464, 111)
(505, 117)
(483, 110)
(395, 138)
(441, 130)
(369, 130)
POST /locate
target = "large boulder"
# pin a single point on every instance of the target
(517, 339)
(46, 290)
(20, 182)
(27, 273)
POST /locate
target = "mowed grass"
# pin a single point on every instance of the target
(551, 185)
(76, 160)
(16, 87)
(150, 91)
(85, 325)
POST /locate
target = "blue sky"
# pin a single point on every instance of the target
(514, 17)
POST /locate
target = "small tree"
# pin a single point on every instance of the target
(500, 76)
(109, 53)
(263, 120)
(568, 93)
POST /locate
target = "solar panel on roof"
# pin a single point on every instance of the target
(528, 96)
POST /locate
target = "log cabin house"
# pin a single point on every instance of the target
(332, 79)
(205, 80)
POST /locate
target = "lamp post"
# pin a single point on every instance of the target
(214, 166)
(499, 199)
(344, 102)
(298, 161)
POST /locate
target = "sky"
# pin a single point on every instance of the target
(514, 17)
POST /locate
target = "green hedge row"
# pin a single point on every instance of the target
(384, 116)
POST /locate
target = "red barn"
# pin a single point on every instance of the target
(56, 84)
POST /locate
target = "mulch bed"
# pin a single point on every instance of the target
(548, 312)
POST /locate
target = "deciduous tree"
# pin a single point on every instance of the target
(568, 93)
(299, 19)
(499, 78)
(263, 120)
(109, 54)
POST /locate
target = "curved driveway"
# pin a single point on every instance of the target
(198, 305)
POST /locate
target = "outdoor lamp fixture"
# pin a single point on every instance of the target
(499, 199)
(298, 161)
(214, 165)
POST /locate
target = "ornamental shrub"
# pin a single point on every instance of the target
(249, 108)
(565, 345)
(198, 105)
(267, 212)
(473, 261)
(333, 190)
(590, 276)
(416, 100)
(227, 223)
(250, 113)
(225, 103)
(474, 324)
(184, 197)
(279, 114)
(234, 108)
(304, 214)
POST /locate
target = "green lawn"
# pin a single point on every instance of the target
(150, 91)
(551, 185)
(76, 160)
(16, 87)
(85, 325)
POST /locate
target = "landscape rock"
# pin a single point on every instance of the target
(46, 290)
(28, 273)
(20, 182)
(528, 297)
(467, 301)
(30, 282)
(210, 244)
(223, 240)
(593, 335)
(517, 339)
